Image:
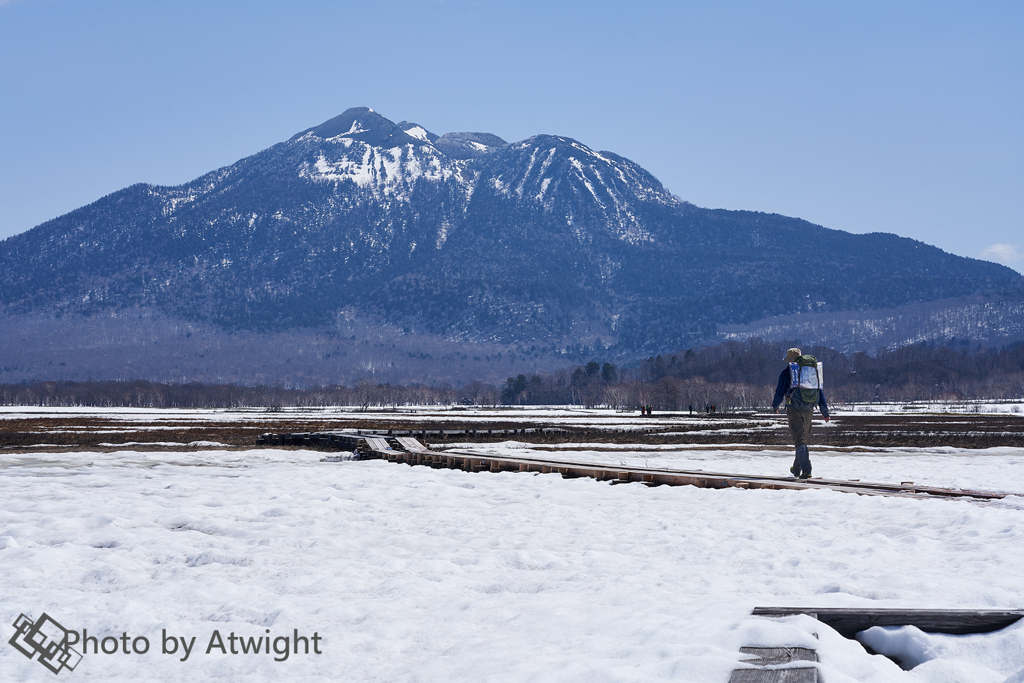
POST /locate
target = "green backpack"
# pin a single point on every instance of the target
(805, 382)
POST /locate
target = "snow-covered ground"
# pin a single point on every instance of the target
(413, 574)
(981, 407)
(548, 414)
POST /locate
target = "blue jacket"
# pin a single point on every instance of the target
(783, 389)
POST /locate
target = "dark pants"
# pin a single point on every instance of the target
(800, 427)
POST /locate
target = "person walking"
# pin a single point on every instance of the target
(800, 384)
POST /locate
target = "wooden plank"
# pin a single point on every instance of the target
(771, 656)
(376, 443)
(790, 482)
(850, 621)
(803, 675)
(411, 444)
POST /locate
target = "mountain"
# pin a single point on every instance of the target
(460, 238)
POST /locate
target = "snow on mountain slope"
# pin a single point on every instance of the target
(387, 173)
(590, 190)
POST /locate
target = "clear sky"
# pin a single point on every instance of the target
(903, 117)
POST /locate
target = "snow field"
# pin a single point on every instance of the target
(414, 574)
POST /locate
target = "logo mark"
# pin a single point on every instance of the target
(46, 638)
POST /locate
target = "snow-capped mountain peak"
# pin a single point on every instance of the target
(365, 125)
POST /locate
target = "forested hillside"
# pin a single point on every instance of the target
(730, 376)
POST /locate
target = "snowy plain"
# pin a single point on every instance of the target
(414, 574)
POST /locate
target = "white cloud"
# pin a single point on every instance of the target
(1003, 253)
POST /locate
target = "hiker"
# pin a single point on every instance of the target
(691, 410)
(800, 384)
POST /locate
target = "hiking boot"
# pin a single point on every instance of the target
(793, 471)
(804, 475)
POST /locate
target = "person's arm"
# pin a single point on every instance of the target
(780, 391)
(823, 404)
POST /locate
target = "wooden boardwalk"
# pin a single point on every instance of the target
(407, 450)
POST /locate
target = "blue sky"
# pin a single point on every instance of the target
(900, 117)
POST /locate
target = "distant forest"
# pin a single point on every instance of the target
(732, 375)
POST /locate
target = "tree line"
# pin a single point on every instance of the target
(732, 375)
